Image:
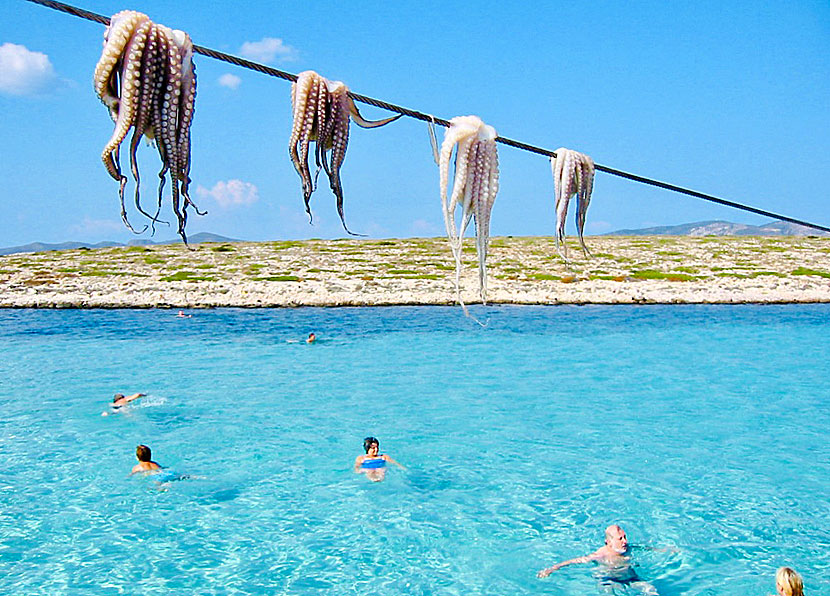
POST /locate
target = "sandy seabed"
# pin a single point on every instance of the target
(521, 270)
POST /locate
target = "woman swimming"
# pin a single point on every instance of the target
(373, 464)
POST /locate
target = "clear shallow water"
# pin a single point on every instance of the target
(701, 428)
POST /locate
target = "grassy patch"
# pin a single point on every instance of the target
(103, 273)
(278, 278)
(223, 248)
(544, 277)
(283, 244)
(687, 269)
(805, 271)
(654, 274)
(187, 276)
(154, 260)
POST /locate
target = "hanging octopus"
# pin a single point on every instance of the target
(322, 110)
(573, 174)
(147, 79)
(475, 185)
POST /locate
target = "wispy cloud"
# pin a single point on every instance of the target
(96, 227)
(22, 71)
(230, 81)
(422, 227)
(232, 193)
(268, 49)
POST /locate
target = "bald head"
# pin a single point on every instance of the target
(616, 539)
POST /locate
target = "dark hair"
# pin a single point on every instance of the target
(143, 453)
(368, 442)
(117, 396)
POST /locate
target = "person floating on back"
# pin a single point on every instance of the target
(145, 464)
(373, 464)
(615, 556)
(788, 582)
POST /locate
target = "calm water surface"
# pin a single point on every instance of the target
(701, 428)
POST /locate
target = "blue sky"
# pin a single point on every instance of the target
(731, 99)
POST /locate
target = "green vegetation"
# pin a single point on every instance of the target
(187, 276)
(805, 271)
(223, 248)
(654, 274)
(278, 278)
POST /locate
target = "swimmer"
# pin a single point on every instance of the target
(615, 557)
(788, 582)
(145, 464)
(311, 338)
(181, 315)
(119, 400)
(372, 464)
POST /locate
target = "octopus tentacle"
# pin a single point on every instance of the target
(187, 101)
(166, 135)
(117, 34)
(584, 198)
(149, 66)
(130, 85)
(339, 142)
(362, 122)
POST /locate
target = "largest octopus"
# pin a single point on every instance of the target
(475, 185)
(147, 79)
(322, 112)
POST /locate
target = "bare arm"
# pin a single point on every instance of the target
(584, 559)
(357, 461)
(392, 461)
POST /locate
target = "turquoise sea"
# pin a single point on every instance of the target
(700, 429)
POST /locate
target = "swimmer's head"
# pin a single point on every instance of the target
(369, 442)
(788, 582)
(616, 539)
(143, 453)
(117, 396)
(311, 337)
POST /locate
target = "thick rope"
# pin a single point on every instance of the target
(274, 72)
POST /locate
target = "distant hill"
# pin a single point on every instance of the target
(723, 228)
(42, 246)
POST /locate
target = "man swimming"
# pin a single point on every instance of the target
(615, 557)
(372, 464)
(145, 464)
(311, 338)
(119, 400)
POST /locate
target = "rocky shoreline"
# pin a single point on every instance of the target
(420, 271)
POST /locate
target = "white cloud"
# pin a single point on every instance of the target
(97, 227)
(598, 227)
(231, 193)
(23, 72)
(268, 49)
(422, 227)
(230, 81)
